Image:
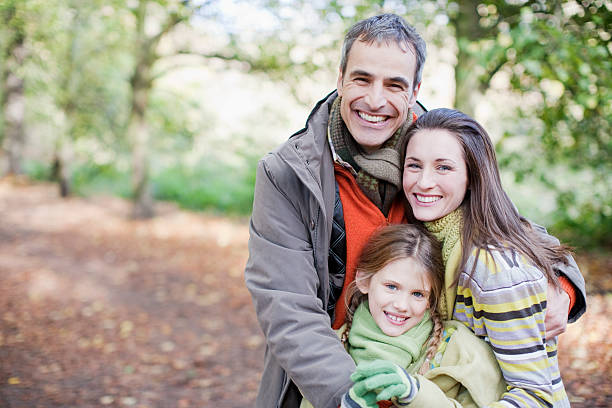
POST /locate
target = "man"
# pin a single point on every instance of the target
(318, 197)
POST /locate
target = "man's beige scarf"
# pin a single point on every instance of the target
(379, 174)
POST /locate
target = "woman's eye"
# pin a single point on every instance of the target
(412, 166)
(444, 168)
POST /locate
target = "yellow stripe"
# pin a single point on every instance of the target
(522, 341)
(517, 304)
(513, 328)
(531, 367)
(545, 396)
(559, 395)
(485, 258)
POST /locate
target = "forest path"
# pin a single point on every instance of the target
(100, 310)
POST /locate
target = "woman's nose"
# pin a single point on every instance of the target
(426, 179)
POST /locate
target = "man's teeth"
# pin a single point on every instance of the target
(427, 199)
(371, 118)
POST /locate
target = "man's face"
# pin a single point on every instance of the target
(377, 91)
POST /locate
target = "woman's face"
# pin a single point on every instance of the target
(435, 174)
(398, 295)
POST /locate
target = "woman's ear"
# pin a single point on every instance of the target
(362, 282)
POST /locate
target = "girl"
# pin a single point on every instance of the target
(394, 331)
(497, 266)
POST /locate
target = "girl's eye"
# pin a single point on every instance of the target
(418, 294)
(391, 286)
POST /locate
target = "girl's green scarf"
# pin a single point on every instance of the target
(367, 342)
(448, 231)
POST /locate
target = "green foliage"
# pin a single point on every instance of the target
(557, 56)
(37, 170)
(79, 76)
(209, 185)
(91, 178)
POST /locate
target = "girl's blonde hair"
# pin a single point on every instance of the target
(392, 243)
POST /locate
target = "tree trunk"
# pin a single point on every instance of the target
(13, 107)
(467, 29)
(60, 170)
(138, 134)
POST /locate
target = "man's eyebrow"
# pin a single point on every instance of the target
(360, 72)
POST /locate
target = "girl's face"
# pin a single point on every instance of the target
(435, 174)
(398, 295)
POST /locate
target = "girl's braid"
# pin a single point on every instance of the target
(434, 341)
(354, 299)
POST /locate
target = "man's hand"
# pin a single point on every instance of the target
(557, 307)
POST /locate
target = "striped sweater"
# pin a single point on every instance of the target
(504, 302)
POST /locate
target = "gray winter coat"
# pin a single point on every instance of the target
(287, 271)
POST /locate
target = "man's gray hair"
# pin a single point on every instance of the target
(383, 28)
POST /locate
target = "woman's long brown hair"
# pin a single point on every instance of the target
(490, 218)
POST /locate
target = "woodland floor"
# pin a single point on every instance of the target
(99, 310)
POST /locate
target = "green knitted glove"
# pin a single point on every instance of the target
(386, 379)
(352, 399)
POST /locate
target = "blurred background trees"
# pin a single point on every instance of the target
(176, 100)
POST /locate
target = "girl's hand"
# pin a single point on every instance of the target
(354, 398)
(386, 379)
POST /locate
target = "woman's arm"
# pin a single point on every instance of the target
(504, 301)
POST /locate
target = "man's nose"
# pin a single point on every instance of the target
(375, 97)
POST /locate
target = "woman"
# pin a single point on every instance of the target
(497, 267)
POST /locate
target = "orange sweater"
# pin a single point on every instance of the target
(361, 219)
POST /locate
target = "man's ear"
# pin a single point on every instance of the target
(362, 282)
(339, 82)
(415, 92)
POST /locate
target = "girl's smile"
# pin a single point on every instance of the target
(398, 295)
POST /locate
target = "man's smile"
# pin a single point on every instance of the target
(372, 118)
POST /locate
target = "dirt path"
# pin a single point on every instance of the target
(97, 310)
